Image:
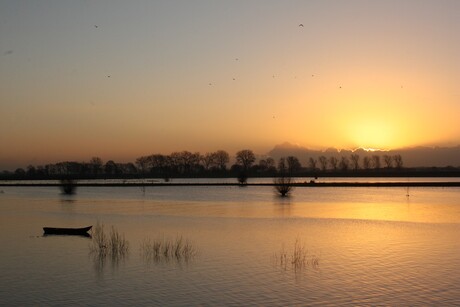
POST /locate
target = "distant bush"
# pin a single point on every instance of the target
(68, 186)
(283, 185)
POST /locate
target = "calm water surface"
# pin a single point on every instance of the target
(363, 246)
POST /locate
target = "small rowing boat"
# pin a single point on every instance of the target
(67, 231)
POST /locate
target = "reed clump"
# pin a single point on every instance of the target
(298, 258)
(112, 244)
(166, 249)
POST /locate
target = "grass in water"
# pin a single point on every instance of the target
(113, 244)
(166, 249)
(297, 259)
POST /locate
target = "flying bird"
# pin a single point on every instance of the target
(301, 25)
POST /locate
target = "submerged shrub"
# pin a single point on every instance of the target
(283, 185)
(68, 186)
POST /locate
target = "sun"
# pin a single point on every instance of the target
(372, 134)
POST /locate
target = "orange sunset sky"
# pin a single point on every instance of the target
(121, 79)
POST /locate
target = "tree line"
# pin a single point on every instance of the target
(211, 164)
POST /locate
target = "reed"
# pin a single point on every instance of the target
(298, 258)
(166, 249)
(113, 244)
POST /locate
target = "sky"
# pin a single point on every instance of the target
(122, 79)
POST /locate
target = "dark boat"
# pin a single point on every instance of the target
(67, 231)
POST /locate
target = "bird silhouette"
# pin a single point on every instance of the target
(301, 25)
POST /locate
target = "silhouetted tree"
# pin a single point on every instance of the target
(262, 165)
(143, 164)
(398, 161)
(270, 164)
(221, 159)
(245, 158)
(159, 165)
(31, 171)
(130, 168)
(41, 171)
(111, 168)
(388, 160)
(354, 161)
(376, 161)
(208, 160)
(323, 163)
(366, 163)
(333, 163)
(293, 164)
(312, 164)
(282, 165)
(96, 165)
(344, 163)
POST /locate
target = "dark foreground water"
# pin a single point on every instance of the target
(361, 246)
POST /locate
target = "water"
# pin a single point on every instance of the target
(372, 246)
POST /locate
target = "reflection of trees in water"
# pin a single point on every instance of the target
(68, 186)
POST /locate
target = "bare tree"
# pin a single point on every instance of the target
(111, 167)
(221, 159)
(293, 164)
(323, 162)
(283, 185)
(208, 160)
(376, 161)
(96, 165)
(333, 162)
(344, 163)
(388, 160)
(282, 166)
(31, 171)
(142, 163)
(245, 158)
(312, 164)
(398, 161)
(355, 161)
(270, 164)
(366, 163)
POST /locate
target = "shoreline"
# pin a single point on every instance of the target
(296, 184)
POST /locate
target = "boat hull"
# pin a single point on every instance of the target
(67, 231)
